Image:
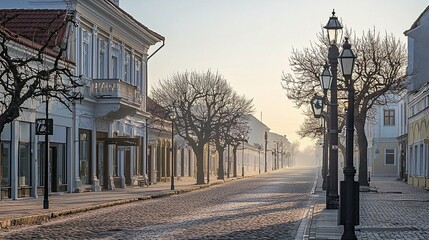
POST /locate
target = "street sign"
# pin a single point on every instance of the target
(44, 127)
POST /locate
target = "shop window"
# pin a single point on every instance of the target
(24, 165)
(5, 164)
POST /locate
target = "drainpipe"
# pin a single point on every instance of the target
(146, 132)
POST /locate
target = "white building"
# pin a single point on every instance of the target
(102, 142)
(383, 144)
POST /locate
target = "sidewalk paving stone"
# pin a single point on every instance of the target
(391, 210)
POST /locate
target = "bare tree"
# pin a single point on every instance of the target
(196, 99)
(379, 70)
(33, 64)
(232, 117)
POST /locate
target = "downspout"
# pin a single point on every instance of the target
(146, 132)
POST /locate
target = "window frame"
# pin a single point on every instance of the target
(389, 117)
(393, 156)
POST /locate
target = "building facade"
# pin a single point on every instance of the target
(102, 142)
(383, 144)
(418, 102)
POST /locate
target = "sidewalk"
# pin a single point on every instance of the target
(391, 210)
(30, 210)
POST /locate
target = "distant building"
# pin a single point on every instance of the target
(418, 101)
(383, 144)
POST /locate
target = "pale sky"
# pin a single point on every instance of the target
(249, 41)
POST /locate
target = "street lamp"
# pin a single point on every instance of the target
(325, 81)
(259, 153)
(325, 78)
(349, 210)
(265, 151)
(317, 104)
(334, 29)
(172, 117)
(242, 158)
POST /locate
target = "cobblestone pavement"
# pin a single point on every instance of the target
(391, 210)
(396, 211)
(270, 206)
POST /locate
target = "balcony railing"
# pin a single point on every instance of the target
(116, 88)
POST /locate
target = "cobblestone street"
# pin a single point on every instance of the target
(270, 206)
(396, 211)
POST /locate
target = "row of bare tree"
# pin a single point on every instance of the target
(206, 109)
(380, 70)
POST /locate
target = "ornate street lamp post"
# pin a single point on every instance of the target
(172, 117)
(242, 158)
(265, 150)
(325, 82)
(349, 208)
(334, 31)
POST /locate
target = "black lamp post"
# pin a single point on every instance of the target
(349, 209)
(46, 187)
(259, 153)
(172, 117)
(265, 151)
(334, 31)
(325, 82)
(242, 158)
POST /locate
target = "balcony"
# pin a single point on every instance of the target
(116, 99)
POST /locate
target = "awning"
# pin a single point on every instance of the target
(122, 141)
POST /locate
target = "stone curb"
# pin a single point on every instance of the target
(34, 219)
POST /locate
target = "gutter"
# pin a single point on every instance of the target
(146, 123)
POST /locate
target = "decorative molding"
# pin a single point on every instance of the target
(101, 125)
(85, 122)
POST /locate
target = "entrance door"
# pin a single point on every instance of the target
(53, 154)
(127, 166)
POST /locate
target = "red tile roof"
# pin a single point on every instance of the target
(35, 25)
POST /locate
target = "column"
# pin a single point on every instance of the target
(111, 184)
(132, 158)
(144, 152)
(34, 162)
(14, 141)
(77, 182)
(95, 181)
(69, 157)
(121, 158)
(153, 163)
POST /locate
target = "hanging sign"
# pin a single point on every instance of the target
(44, 126)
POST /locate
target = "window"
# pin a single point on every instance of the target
(389, 156)
(102, 59)
(115, 60)
(389, 117)
(5, 164)
(138, 78)
(86, 53)
(115, 66)
(127, 68)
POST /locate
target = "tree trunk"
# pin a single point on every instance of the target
(200, 164)
(363, 154)
(234, 153)
(220, 171)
